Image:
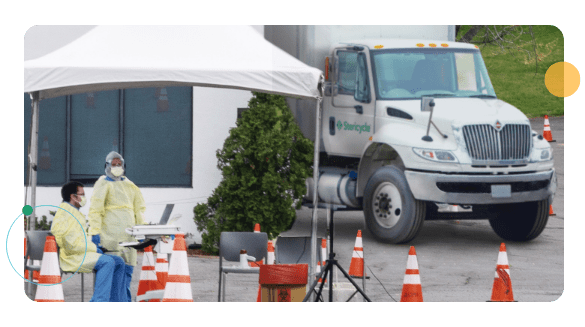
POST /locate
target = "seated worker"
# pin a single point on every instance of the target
(72, 239)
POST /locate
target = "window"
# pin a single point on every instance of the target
(347, 70)
(150, 127)
(362, 93)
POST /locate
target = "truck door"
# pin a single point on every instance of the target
(348, 122)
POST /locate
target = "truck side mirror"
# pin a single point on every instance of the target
(427, 104)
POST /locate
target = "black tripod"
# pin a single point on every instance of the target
(328, 271)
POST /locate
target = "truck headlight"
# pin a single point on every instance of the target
(435, 155)
(542, 154)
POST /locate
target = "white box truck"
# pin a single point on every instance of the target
(411, 124)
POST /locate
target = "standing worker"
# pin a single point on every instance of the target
(77, 252)
(116, 204)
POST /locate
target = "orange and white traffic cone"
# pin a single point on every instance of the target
(178, 288)
(261, 262)
(356, 267)
(323, 256)
(502, 289)
(269, 261)
(547, 133)
(148, 278)
(270, 258)
(50, 275)
(551, 212)
(411, 288)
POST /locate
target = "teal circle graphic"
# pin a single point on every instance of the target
(31, 271)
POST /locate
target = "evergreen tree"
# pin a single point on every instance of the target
(264, 162)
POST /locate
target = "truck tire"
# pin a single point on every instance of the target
(392, 214)
(521, 221)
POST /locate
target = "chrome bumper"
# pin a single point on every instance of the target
(475, 189)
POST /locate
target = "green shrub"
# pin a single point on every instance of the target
(264, 162)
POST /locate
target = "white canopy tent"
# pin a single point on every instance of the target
(119, 57)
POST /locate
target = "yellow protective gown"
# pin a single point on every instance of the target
(115, 206)
(71, 239)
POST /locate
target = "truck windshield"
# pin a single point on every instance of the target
(413, 73)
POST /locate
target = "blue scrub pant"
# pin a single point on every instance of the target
(128, 270)
(109, 280)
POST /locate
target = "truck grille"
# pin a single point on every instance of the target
(484, 142)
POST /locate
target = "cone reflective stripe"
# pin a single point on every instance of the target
(148, 280)
(50, 274)
(178, 288)
(162, 270)
(411, 288)
(547, 133)
(502, 289)
(356, 267)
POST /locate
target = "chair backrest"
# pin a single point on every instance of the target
(255, 244)
(35, 243)
(293, 250)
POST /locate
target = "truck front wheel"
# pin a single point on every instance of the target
(521, 221)
(392, 214)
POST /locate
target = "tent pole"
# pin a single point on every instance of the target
(312, 266)
(33, 155)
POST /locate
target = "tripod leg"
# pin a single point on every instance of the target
(353, 283)
(314, 284)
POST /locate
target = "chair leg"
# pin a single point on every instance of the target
(219, 281)
(82, 287)
(223, 286)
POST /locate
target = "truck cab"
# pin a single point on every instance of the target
(410, 126)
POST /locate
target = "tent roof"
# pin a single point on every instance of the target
(117, 57)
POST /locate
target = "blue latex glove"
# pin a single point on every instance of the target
(98, 250)
(96, 240)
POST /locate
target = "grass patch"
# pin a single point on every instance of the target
(517, 72)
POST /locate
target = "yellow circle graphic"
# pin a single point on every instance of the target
(562, 79)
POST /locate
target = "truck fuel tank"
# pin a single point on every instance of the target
(334, 188)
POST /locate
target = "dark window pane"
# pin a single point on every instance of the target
(95, 124)
(52, 140)
(158, 135)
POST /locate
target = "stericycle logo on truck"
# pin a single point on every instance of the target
(353, 127)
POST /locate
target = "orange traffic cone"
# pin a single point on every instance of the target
(269, 261)
(270, 258)
(547, 133)
(50, 275)
(178, 288)
(411, 289)
(323, 256)
(356, 267)
(148, 278)
(502, 289)
(261, 262)
(551, 212)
